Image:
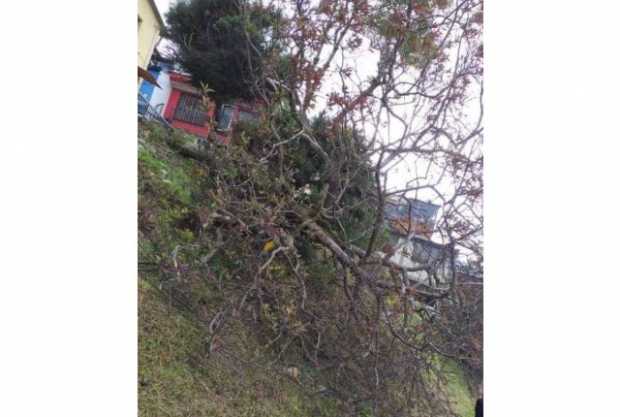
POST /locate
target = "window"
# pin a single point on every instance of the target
(190, 110)
(246, 116)
(225, 117)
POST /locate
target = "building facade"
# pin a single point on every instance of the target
(185, 109)
(411, 224)
(157, 97)
(150, 25)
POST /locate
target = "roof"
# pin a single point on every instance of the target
(407, 216)
(184, 87)
(406, 227)
(147, 76)
(415, 208)
(156, 11)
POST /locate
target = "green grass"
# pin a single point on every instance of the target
(172, 384)
(458, 392)
(174, 179)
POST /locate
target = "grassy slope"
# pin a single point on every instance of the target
(171, 385)
(458, 392)
(173, 379)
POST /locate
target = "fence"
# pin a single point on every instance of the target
(147, 112)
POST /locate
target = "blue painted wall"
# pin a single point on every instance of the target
(146, 88)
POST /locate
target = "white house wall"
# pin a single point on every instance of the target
(403, 257)
(160, 96)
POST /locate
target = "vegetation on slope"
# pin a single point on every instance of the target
(194, 363)
(277, 242)
(175, 380)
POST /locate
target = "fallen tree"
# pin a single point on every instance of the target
(284, 234)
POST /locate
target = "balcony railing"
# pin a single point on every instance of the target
(147, 112)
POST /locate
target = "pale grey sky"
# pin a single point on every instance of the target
(162, 6)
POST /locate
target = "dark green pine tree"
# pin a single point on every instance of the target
(212, 42)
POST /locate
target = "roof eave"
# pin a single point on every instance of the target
(156, 10)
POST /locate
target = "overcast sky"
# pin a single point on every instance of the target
(163, 5)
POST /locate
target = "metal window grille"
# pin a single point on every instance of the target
(225, 117)
(190, 110)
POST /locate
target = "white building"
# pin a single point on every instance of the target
(157, 97)
(411, 224)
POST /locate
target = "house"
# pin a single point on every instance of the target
(411, 224)
(157, 97)
(232, 113)
(150, 25)
(411, 216)
(181, 104)
(185, 109)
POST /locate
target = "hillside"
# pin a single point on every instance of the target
(175, 380)
(191, 361)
